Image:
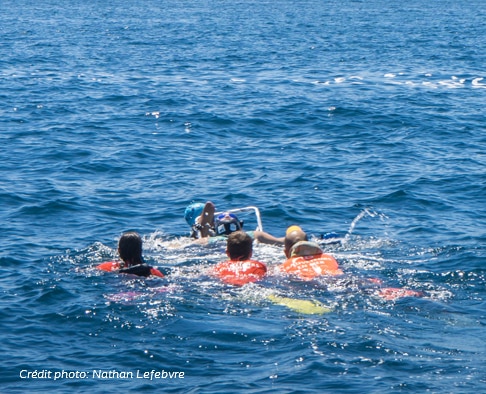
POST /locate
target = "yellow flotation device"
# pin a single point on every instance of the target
(305, 307)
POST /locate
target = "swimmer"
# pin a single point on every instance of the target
(201, 219)
(240, 269)
(206, 228)
(130, 252)
(306, 259)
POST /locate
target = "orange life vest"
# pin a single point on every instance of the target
(238, 273)
(309, 267)
(307, 261)
(110, 266)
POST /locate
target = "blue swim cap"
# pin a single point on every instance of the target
(192, 212)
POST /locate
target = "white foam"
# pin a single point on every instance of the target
(476, 83)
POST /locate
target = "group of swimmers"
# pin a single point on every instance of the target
(305, 259)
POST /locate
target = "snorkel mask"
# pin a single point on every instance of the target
(227, 223)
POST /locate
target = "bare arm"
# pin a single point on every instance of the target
(206, 219)
(265, 238)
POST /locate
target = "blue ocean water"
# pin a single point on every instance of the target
(364, 118)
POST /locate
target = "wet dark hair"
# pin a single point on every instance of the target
(130, 248)
(239, 245)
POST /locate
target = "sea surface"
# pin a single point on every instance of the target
(362, 118)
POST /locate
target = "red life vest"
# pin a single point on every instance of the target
(110, 266)
(307, 261)
(309, 267)
(238, 273)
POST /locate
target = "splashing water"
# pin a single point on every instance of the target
(365, 212)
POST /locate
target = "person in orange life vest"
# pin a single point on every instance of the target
(306, 259)
(130, 251)
(240, 269)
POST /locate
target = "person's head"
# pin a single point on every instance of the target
(130, 248)
(239, 246)
(227, 223)
(293, 235)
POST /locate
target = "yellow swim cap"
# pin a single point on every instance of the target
(292, 228)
